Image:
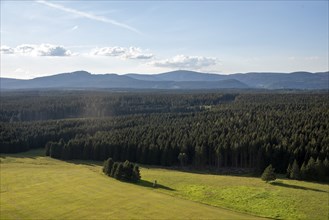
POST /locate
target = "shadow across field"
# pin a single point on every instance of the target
(149, 184)
(295, 186)
(32, 154)
(92, 163)
(239, 172)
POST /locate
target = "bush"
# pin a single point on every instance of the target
(126, 171)
(268, 174)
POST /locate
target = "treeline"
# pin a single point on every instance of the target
(252, 132)
(50, 105)
(311, 170)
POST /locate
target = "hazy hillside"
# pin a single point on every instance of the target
(180, 79)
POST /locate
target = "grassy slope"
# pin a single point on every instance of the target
(283, 199)
(34, 187)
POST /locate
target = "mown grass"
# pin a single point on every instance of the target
(37, 187)
(282, 199)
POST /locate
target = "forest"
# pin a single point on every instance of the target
(213, 130)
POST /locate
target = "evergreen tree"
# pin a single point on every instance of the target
(311, 173)
(47, 148)
(182, 157)
(295, 172)
(127, 170)
(320, 169)
(119, 172)
(288, 171)
(136, 174)
(114, 168)
(268, 174)
(326, 167)
(303, 171)
(108, 165)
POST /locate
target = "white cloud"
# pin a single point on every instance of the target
(187, 62)
(6, 50)
(122, 52)
(89, 16)
(37, 50)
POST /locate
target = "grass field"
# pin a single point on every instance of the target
(37, 187)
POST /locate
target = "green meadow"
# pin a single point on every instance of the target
(38, 187)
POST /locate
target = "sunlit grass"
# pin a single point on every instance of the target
(37, 187)
(283, 199)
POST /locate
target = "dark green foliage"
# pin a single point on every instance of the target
(303, 171)
(182, 157)
(119, 173)
(114, 169)
(56, 149)
(253, 131)
(326, 166)
(136, 176)
(311, 172)
(126, 171)
(108, 165)
(288, 171)
(295, 172)
(268, 174)
(320, 169)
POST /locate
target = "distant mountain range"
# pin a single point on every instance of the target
(180, 79)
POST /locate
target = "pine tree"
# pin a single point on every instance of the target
(303, 171)
(136, 174)
(311, 170)
(326, 166)
(268, 174)
(127, 170)
(288, 171)
(182, 157)
(108, 165)
(114, 168)
(320, 169)
(119, 172)
(295, 172)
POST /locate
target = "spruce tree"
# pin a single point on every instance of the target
(119, 172)
(136, 174)
(288, 171)
(182, 157)
(326, 166)
(268, 174)
(127, 170)
(114, 168)
(295, 172)
(303, 171)
(108, 165)
(320, 170)
(311, 169)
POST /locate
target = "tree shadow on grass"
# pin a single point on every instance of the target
(84, 162)
(149, 184)
(31, 153)
(296, 187)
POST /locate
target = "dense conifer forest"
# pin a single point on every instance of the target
(213, 130)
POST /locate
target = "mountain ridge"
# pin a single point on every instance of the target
(179, 79)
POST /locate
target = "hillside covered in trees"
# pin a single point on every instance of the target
(213, 130)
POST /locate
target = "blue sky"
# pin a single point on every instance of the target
(41, 38)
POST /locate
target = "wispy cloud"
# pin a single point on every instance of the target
(88, 15)
(74, 28)
(183, 61)
(122, 52)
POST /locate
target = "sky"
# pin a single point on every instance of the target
(40, 38)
